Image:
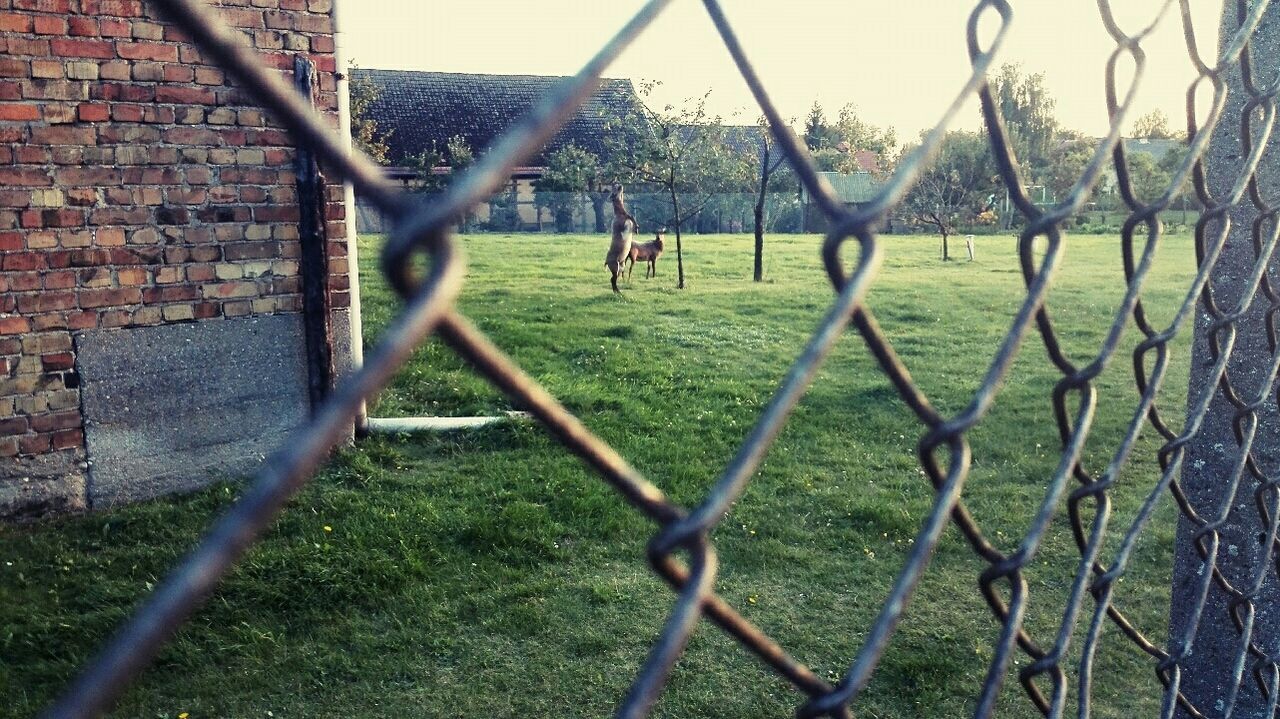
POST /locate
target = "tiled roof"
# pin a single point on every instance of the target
(422, 108)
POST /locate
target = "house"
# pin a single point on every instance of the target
(420, 111)
(1155, 146)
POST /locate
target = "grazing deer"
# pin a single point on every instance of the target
(646, 252)
(620, 246)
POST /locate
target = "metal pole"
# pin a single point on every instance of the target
(314, 265)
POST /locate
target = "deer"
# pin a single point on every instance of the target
(647, 252)
(620, 246)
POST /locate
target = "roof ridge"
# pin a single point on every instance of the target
(478, 74)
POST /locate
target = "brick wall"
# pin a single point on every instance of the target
(138, 187)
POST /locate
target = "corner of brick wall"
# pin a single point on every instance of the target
(138, 186)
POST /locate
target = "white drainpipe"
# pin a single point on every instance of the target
(364, 424)
(349, 201)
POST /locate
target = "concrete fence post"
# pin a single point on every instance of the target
(1218, 673)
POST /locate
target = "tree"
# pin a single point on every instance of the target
(1027, 108)
(424, 165)
(857, 134)
(958, 187)
(1067, 163)
(1154, 125)
(818, 135)
(504, 209)
(459, 155)
(570, 172)
(766, 164)
(1146, 177)
(682, 151)
(364, 129)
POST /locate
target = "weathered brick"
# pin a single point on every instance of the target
(110, 297)
(94, 113)
(185, 95)
(47, 69)
(19, 112)
(57, 361)
(83, 26)
(15, 22)
(116, 8)
(13, 426)
(159, 52)
(49, 25)
(178, 313)
(68, 439)
(14, 325)
(66, 47)
(34, 444)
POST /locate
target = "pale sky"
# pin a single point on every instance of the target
(899, 61)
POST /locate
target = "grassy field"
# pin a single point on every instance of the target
(488, 573)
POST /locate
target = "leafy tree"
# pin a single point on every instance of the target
(364, 129)
(1146, 177)
(424, 165)
(957, 188)
(828, 159)
(1027, 108)
(504, 210)
(766, 164)
(1067, 163)
(1170, 163)
(835, 147)
(858, 134)
(1154, 125)
(682, 151)
(427, 164)
(570, 172)
(459, 155)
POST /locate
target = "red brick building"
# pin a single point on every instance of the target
(149, 251)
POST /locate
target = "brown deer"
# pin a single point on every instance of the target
(646, 252)
(620, 246)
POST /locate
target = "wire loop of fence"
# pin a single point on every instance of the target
(943, 448)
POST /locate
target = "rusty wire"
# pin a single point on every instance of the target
(943, 448)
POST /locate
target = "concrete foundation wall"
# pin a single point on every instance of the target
(174, 407)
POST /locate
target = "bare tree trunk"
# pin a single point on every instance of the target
(597, 204)
(759, 218)
(946, 251)
(675, 208)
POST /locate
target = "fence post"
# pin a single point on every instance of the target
(314, 261)
(1214, 455)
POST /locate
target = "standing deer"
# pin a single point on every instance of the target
(620, 246)
(646, 252)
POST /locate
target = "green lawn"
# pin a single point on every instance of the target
(488, 573)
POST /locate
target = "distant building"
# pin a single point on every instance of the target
(1156, 147)
(419, 111)
(853, 190)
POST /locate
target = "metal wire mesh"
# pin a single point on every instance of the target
(943, 449)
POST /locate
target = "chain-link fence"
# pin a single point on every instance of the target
(1231, 304)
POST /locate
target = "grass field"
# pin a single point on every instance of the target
(488, 573)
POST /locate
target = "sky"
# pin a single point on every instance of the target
(900, 62)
